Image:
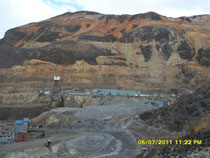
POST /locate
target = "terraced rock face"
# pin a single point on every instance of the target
(87, 49)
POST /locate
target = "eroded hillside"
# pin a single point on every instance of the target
(87, 49)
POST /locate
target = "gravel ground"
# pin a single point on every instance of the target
(92, 141)
(106, 112)
(81, 144)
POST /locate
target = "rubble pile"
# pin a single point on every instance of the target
(184, 114)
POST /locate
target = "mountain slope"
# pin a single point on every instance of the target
(88, 49)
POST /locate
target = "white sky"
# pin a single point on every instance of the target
(14, 13)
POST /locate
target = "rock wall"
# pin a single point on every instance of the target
(82, 101)
(19, 98)
(35, 99)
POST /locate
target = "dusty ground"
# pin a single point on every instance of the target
(97, 131)
(76, 143)
(104, 127)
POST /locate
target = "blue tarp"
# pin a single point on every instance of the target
(159, 103)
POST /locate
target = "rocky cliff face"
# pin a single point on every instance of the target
(87, 49)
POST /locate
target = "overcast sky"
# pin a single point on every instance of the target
(14, 13)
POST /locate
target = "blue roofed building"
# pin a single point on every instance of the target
(26, 124)
(19, 126)
(26, 120)
(6, 133)
(116, 92)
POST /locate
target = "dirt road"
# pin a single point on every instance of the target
(113, 143)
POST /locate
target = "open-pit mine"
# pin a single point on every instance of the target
(90, 85)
